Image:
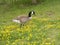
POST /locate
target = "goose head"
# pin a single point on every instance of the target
(31, 13)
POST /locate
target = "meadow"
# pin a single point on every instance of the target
(42, 29)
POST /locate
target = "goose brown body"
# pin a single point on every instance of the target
(23, 19)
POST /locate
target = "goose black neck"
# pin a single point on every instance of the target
(29, 14)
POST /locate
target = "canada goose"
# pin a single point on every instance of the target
(23, 19)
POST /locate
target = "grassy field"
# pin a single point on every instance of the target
(43, 29)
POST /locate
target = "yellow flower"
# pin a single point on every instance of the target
(53, 44)
(47, 43)
(45, 19)
(2, 38)
(7, 31)
(18, 29)
(28, 43)
(4, 35)
(2, 31)
(22, 43)
(7, 44)
(35, 42)
(28, 38)
(30, 35)
(16, 40)
(13, 43)
(58, 26)
(48, 38)
(10, 27)
(49, 26)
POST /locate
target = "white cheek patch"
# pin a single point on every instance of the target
(32, 12)
(18, 21)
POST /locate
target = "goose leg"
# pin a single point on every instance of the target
(21, 25)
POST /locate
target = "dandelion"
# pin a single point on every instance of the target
(34, 43)
(47, 43)
(7, 31)
(2, 38)
(10, 27)
(49, 26)
(28, 38)
(49, 38)
(18, 30)
(16, 40)
(45, 19)
(8, 34)
(28, 43)
(30, 35)
(58, 26)
(2, 31)
(26, 34)
(7, 44)
(13, 43)
(44, 40)
(53, 44)
(4, 35)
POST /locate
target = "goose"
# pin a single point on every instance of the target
(24, 18)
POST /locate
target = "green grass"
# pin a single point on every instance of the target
(45, 29)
